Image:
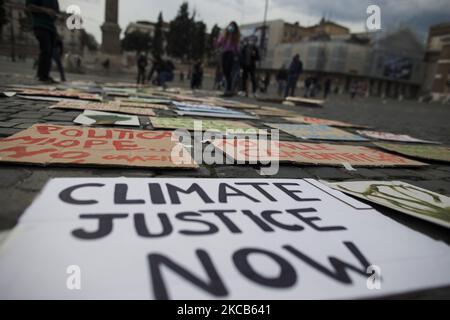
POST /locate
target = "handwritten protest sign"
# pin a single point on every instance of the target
(391, 136)
(189, 124)
(212, 239)
(183, 106)
(401, 196)
(91, 117)
(107, 107)
(305, 101)
(51, 144)
(275, 112)
(437, 153)
(130, 103)
(244, 150)
(311, 120)
(316, 132)
(62, 94)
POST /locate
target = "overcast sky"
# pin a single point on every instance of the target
(419, 14)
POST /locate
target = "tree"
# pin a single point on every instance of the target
(212, 37)
(137, 41)
(88, 40)
(179, 36)
(198, 43)
(158, 38)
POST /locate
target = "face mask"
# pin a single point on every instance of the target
(230, 29)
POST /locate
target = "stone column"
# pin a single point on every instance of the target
(110, 29)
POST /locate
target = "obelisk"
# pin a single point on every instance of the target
(111, 31)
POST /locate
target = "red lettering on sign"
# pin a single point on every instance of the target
(126, 146)
(68, 133)
(67, 143)
(21, 152)
(90, 143)
(95, 134)
(47, 129)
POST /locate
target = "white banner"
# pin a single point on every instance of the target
(139, 238)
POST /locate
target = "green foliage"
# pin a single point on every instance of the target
(187, 37)
(158, 38)
(215, 32)
(136, 41)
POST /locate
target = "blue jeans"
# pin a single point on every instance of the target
(165, 76)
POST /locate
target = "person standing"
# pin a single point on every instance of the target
(197, 75)
(228, 43)
(142, 65)
(58, 53)
(282, 77)
(295, 69)
(326, 88)
(249, 57)
(44, 14)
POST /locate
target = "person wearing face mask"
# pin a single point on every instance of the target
(228, 44)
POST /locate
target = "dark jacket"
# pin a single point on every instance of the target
(296, 68)
(249, 56)
(42, 20)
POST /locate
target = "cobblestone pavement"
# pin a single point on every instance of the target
(20, 184)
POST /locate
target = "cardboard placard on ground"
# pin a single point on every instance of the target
(44, 144)
(215, 115)
(107, 107)
(307, 101)
(189, 124)
(275, 112)
(309, 153)
(62, 94)
(316, 132)
(391, 137)
(437, 153)
(326, 122)
(146, 101)
(92, 117)
(126, 103)
(144, 238)
(401, 196)
(189, 107)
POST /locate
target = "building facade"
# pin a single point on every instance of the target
(437, 59)
(391, 66)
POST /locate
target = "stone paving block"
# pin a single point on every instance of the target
(201, 172)
(14, 203)
(328, 173)
(367, 173)
(23, 125)
(5, 132)
(7, 124)
(60, 117)
(21, 120)
(291, 172)
(12, 175)
(233, 171)
(32, 115)
(39, 176)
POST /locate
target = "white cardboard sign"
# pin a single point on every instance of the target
(139, 238)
